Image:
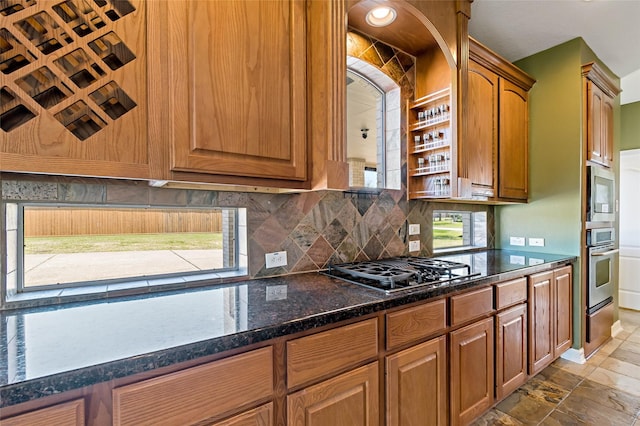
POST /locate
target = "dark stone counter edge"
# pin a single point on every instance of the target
(32, 389)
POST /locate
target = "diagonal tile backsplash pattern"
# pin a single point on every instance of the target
(315, 228)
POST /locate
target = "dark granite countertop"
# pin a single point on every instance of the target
(56, 349)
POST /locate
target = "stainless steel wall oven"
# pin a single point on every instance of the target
(602, 263)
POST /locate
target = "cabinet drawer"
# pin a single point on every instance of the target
(468, 306)
(68, 413)
(415, 323)
(197, 393)
(321, 354)
(511, 292)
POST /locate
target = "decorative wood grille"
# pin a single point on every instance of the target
(51, 51)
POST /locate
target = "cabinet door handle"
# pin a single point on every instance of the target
(606, 253)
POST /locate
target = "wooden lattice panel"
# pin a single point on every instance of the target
(73, 79)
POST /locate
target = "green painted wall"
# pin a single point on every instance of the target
(556, 160)
(555, 155)
(630, 126)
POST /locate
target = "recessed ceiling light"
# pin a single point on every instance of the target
(381, 16)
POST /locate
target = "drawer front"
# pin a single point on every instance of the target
(197, 393)
(511, 292)
(68, 413)
(474, 304)
(412, 324)
(318, 355)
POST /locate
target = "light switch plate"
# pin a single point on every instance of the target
(414, 229)
(516, 241)
(414, 245)
(275, 259)
(536, 242)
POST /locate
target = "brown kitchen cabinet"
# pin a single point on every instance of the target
(511, 336)
(237, 79)
(348, 399)
(511, 350)
(480, 150)
(416, 377)
(260, 416)
(494, 155)
(550, 316)
(599, 94)
(351, 397)
(416, 387)
(217, 389)
(74, 88)
(471, 371)
(64, 414)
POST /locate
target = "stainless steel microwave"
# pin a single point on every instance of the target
(601, 194)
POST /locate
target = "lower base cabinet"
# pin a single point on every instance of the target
(216, 389)
(350, 399)
(416, 388)
(550, 316)
(472, 383)
(67, 414)
(261, 416)
(511, 350)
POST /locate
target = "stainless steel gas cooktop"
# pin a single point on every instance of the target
(401, 273)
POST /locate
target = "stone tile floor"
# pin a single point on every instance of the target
(603, 391)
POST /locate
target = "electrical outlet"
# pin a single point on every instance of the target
(275, 259)
(414, 229)
(414, 245)
(516, 241)
(536, 242)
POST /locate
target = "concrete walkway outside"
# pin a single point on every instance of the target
(45, 269)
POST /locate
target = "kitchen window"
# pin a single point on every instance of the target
(112, 247)
(459, 230)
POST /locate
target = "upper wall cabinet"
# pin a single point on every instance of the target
(237, 90)
(494, 154)
(599, 94)
(73, 87)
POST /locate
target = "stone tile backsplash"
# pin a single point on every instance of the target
(314, 228)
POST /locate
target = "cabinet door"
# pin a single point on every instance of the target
(480, 150)
(541, 320)
(471, 371)
(511, 350)
(595, 143)
(237, 71)
(350, 399)
(563, 283)
(261, 416)
(73, 88)
(607, 130)
(513, 158)
(416, 388)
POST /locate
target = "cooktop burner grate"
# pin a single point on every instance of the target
(401, 273)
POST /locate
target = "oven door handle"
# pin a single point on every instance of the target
(605, 253)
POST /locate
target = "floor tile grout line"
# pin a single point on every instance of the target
(562, 400)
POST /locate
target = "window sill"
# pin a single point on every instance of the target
(454, 250)
(46, 297)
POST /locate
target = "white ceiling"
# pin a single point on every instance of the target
(516, 29)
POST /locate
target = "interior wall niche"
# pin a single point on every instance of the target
(373, 58)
